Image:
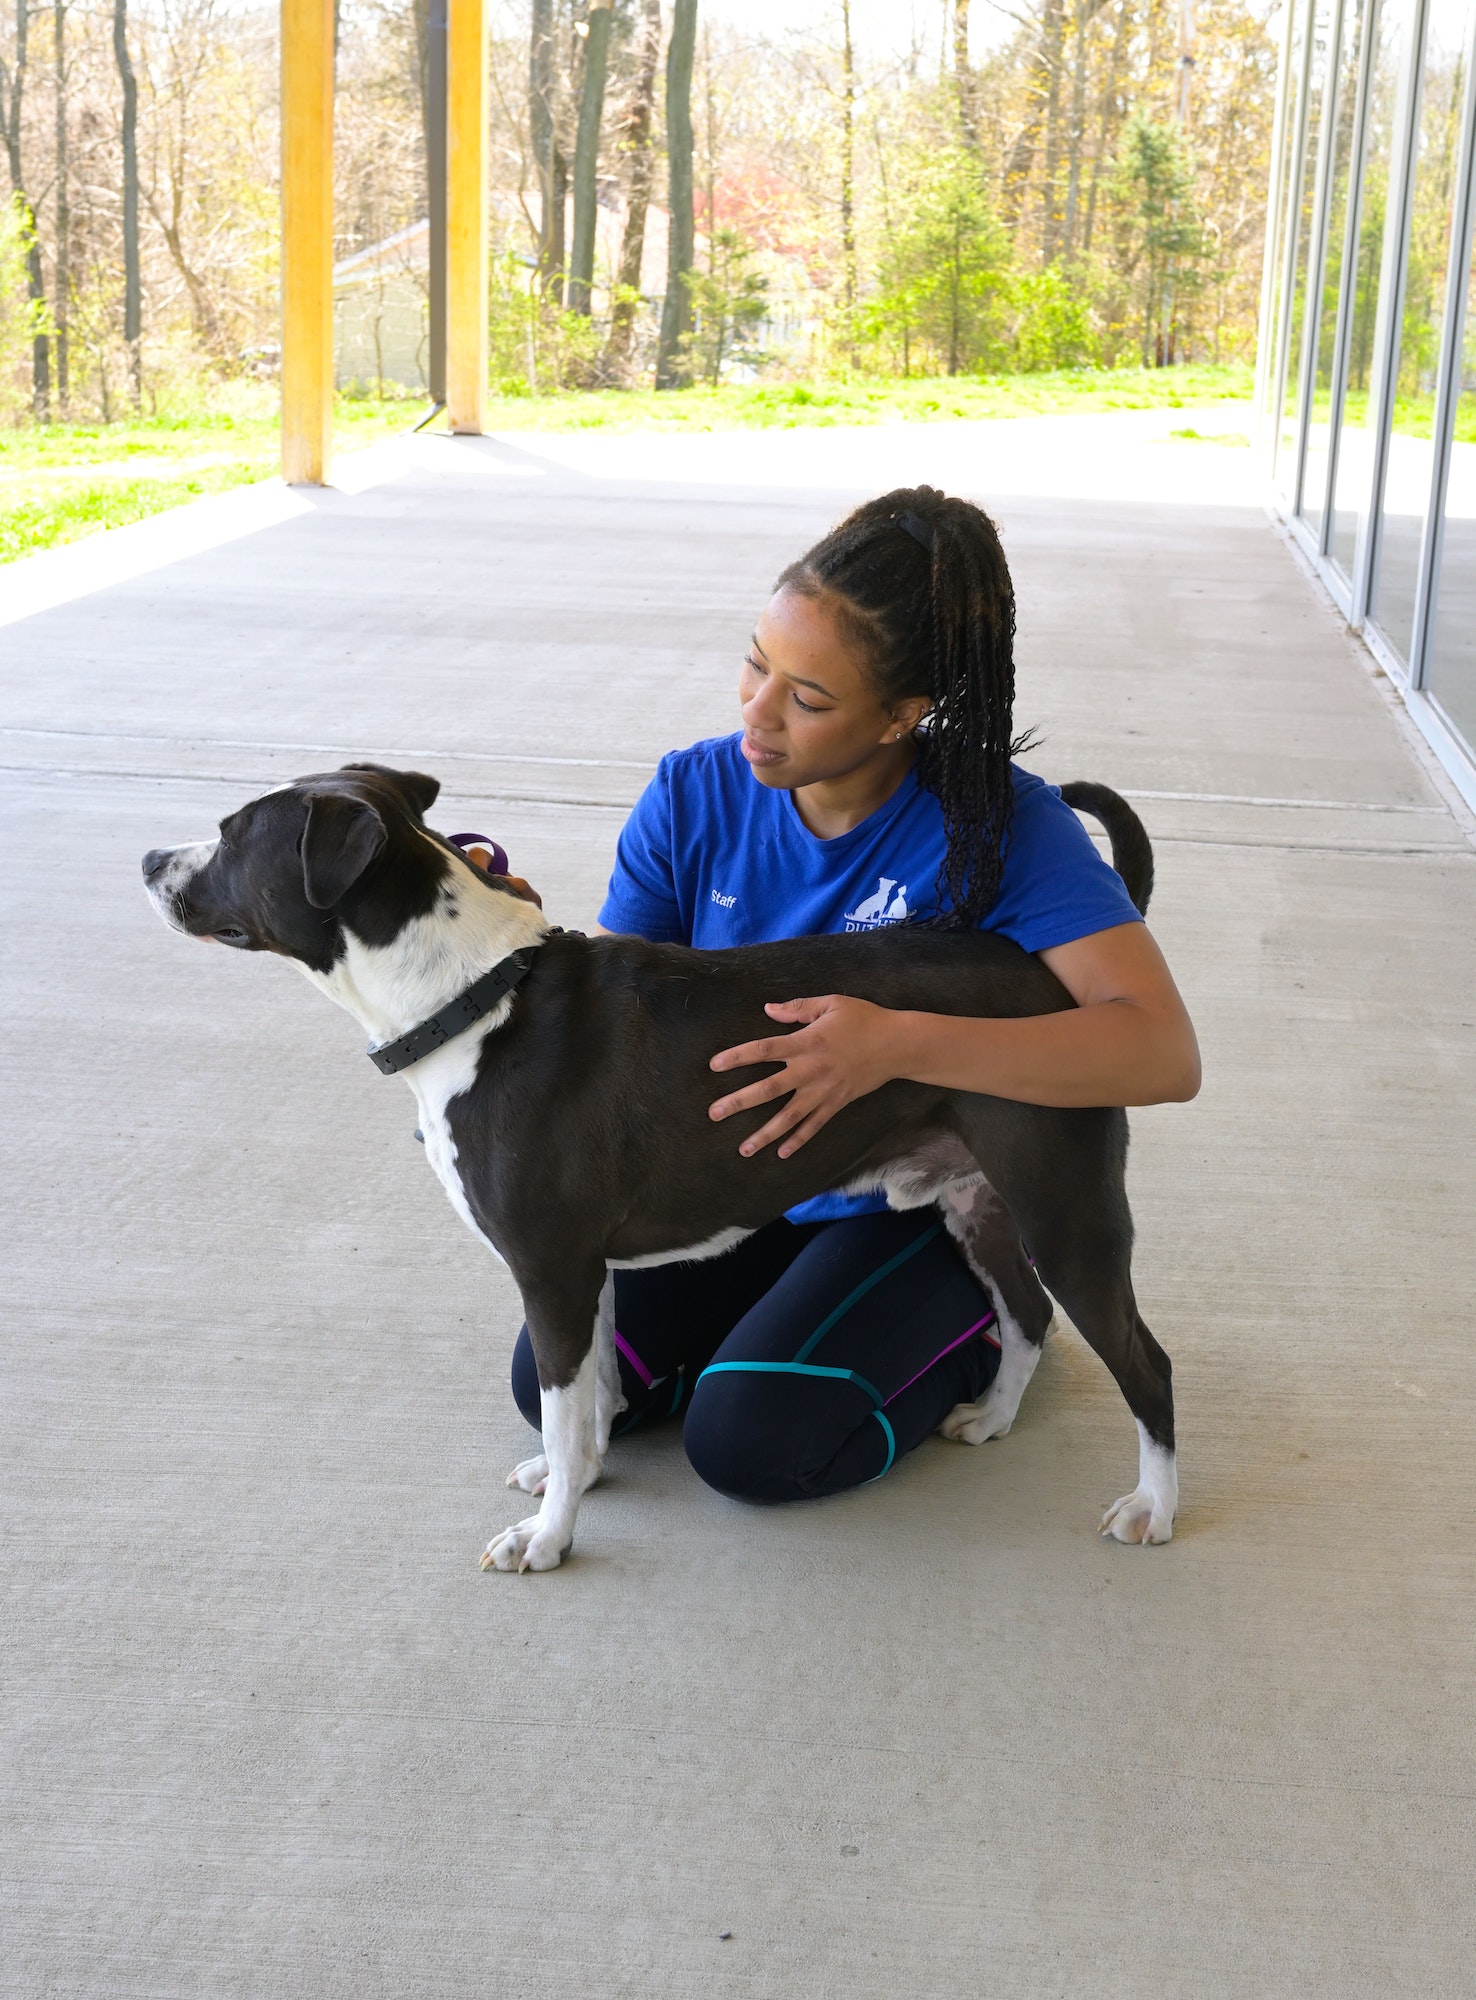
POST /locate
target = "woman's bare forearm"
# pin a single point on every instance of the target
(1110, 1052)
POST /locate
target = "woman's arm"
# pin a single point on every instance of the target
(1129, 1040)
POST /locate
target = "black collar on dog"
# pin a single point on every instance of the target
(463, 1012)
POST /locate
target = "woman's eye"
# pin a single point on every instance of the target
(752, 664)
(808, 706)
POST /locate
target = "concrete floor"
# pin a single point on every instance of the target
(268, 1729)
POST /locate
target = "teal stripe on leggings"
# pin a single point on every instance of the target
(864, 1287)
(891, 1447)
(793, 1368)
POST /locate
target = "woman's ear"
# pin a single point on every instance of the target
(906, 716)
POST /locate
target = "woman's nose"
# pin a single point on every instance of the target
(760, 705)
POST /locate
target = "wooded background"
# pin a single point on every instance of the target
(1028, 191)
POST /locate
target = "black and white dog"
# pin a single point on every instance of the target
(563, 1087)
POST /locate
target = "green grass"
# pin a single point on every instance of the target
(62, 481)
(786, 405)
(59, 482)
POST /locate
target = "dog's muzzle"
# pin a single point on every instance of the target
(168, 872)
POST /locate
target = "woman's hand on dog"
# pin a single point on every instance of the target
(1128, 1040)
(841, 1050)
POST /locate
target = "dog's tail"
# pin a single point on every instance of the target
(1132, 850)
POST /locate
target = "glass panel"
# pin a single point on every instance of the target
(1319, 420)
(1452, 674)
(1286, 437)
(1286, 140)
(1354, 476)
(1411, 450)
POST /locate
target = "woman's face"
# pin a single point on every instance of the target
(809, 712)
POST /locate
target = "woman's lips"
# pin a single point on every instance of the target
(757, 754)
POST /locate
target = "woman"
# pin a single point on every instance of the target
(872, 783)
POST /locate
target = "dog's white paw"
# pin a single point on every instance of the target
(1139, 1516)
(972, 1423)
(525, 1545)
(531, 1476)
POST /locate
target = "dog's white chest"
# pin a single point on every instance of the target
(437, 1081)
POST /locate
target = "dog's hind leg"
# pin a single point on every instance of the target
(1068, 1199)
(985, 1232)
(1085, 1263)
(568, 1381)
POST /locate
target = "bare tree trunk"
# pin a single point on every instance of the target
(676, 311)
(587, 156)
(635, 145)
(430, 37)
(1087, 11)
(1104, 122)
(709, 105)
(848, 177)
(12, 99)
(62, 261)
(968, 83)
(1021, 159)
(1053, 36)
(956, 287)
(558, 195)
(541, 132)
(132, 292)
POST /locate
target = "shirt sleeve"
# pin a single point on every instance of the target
(641, 900)
(1056, 887)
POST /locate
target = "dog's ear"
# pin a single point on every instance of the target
(415, 788)
(341, 837)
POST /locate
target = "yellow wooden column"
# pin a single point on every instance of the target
(466, 215)
(307, 240)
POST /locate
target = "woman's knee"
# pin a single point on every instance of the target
(774, 1437)
(734, 1444)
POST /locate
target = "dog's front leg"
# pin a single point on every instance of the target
(532, 1474)
(568, 1384)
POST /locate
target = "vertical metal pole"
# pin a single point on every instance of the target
(435, 174)
(1348, 277)
(466, 216)
(1293, 233)
(1393, 270)
(1317, 249)
(307, 240)
(1447, 384)
(1280, 147)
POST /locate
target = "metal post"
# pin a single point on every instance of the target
(1281, 141)
(1393, 270)
(1447, 385)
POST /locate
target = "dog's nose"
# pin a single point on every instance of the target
(155, 862)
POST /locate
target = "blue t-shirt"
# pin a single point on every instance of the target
(711, 857)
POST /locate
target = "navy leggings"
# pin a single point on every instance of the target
(807, 1359)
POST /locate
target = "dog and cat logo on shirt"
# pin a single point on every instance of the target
(884, 907)
(887, 906)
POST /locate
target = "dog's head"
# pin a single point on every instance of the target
(294, 869)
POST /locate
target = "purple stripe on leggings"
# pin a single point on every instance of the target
(625, 1348)
(978, 1327)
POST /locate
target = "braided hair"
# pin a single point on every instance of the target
(918, 583)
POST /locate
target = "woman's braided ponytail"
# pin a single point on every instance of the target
(919, 583)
